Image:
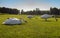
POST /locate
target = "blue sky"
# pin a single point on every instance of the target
(30, 4)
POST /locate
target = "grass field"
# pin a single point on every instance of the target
(34, 28)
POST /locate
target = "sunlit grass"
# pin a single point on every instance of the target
(34, 28)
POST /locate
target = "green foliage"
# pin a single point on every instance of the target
(34, 28)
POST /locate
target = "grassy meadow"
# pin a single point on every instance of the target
(34, 28)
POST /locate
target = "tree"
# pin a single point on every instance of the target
(51, 10)
(9, 10)
(55, 12)
(22, 11)
(38, 12)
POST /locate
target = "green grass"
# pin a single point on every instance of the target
(34, 28)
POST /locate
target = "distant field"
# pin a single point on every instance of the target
(34, 28)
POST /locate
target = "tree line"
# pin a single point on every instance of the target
(5, 10)
(37, 11)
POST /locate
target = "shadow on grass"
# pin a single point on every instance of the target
(47, 21)
(13, 24)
